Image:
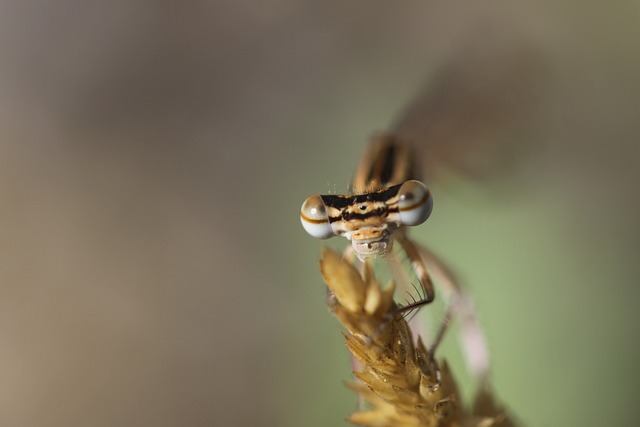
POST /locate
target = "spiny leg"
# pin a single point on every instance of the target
(427, 296)
(412, 252)
(473, 340)
(400, 275)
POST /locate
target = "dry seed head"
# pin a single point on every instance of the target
(399, 379)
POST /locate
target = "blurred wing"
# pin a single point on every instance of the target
(472, 117)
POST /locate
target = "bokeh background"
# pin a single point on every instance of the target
(154, 155)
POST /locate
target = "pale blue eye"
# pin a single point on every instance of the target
(414, 203)
(314, 218)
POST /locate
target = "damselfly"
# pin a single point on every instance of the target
(386, 197)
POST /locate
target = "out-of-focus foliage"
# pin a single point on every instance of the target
(154, 156)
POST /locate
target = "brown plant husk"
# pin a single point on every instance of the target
(398, 379)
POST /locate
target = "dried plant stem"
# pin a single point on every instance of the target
(399, 379)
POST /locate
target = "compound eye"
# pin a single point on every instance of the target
(314, 218)
(415, 203)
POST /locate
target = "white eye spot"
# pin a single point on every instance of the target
(314, 218)
(415, 203)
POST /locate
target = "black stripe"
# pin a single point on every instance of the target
(389, 163)
(338, 202)
(341, 202)
(355, 215)
(347, 216)
(381, 169)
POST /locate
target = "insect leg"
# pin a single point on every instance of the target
(413, 253)
(472, 337)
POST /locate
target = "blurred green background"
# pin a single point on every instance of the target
(154, 155)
